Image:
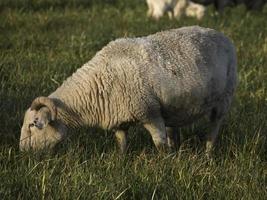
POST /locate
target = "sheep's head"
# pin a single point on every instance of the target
(41, 129)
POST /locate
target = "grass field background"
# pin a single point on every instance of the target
(43, 42)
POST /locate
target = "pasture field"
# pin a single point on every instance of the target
(43, 42)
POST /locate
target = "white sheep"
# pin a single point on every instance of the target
(191, 10)
(163, 81)
(174, 8)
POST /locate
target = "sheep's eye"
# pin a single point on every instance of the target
(31, 125)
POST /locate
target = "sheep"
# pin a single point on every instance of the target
(221, 4)
(174, 8)
(157, 8)
(163, 81)
(253, 5)
(189, 8)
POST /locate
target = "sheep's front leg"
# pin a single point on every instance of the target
(150, 10)
(173, 138)
(156, 128)
(170, 14)
(121, 137)
(180, 8)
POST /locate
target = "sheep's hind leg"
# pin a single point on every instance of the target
(211, 137)
(173, 138)
(121, 137)
(156, 128)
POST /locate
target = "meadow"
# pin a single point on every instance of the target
(43, 42)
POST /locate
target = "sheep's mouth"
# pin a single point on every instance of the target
(25, 144)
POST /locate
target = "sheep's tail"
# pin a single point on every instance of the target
(231, 83)
(232, 72)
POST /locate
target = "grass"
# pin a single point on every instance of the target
(43, 42)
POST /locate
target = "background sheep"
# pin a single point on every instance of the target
(174, 8)
(221, 4)
(157, 8)
(188, 8)
(218, 4)
(253, 5)
(171, 79)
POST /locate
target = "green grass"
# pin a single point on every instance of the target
(43, 42)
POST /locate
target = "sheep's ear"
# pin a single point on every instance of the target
(40, 102)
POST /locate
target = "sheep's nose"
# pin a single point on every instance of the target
(35, 121)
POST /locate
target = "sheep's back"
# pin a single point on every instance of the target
(186, 69)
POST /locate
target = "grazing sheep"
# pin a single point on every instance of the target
(189, 8)
(253, 5)
(174, 8)
(221, 4)
(163, 81)
(195, 10)
(157, 8)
